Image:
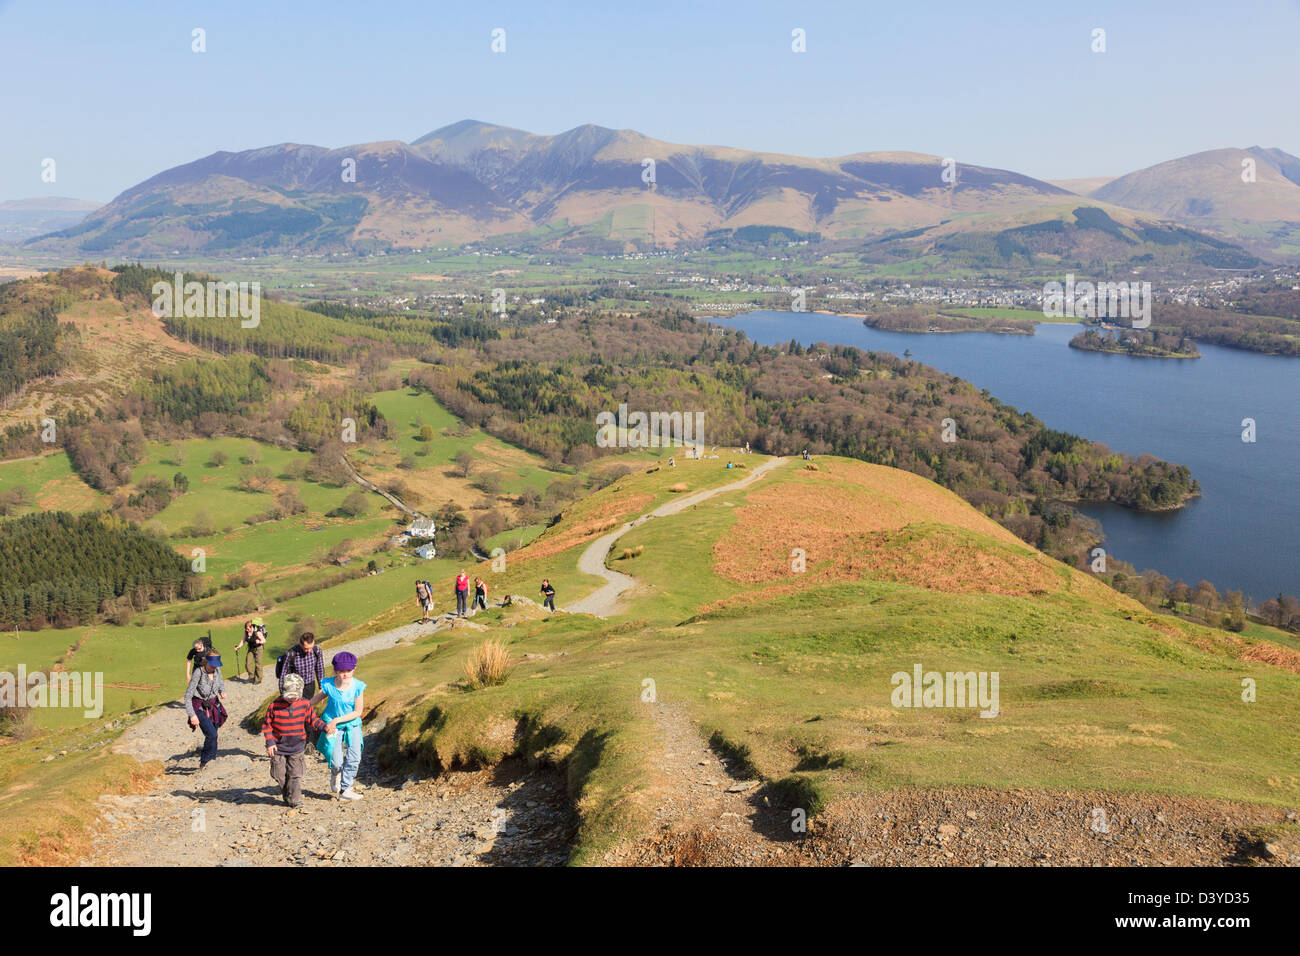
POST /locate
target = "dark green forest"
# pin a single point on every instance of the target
(61, 569)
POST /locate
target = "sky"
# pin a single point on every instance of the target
(114, 93)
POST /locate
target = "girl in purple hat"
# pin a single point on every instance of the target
(346, 696)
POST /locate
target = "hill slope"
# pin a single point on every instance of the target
(1207, 190)
(791, 672)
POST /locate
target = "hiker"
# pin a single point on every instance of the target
(201, 649)
(805, 455)
(285, 730)
(480, 595)
(728, 464)
(255, 638)
(203, 697)
(462, 592)
(424, 594)
(747, 451)
(549, 592)
(672, 462)
(346, 696)
(306, 660)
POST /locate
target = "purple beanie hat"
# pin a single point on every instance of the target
(344, 661)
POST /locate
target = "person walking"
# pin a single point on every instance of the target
(284, 728)
(306, 660)
(548, 593)
(346, 696)
(424, 594)
(198, 653)
(203, 697)
(462, 592)
(480, 595)
(255, 638)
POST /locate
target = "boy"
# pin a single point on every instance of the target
(285, 729)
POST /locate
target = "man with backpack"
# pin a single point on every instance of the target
(255, 638)
(306, 660)
(424, 594)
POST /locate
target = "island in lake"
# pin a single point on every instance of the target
(1140, 342)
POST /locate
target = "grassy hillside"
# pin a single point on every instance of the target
(793, 670)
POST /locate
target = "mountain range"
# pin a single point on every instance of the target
(603, 190)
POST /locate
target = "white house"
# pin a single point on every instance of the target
(421, 528)
(425, 551)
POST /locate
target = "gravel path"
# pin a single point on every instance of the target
(231, 813)
(605, 601)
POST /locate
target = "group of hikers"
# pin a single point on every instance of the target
(424, 596)
(291, 720)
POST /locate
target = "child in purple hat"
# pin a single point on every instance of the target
(346, 696)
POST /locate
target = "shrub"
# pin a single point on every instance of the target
(488, 664)
(798, 792)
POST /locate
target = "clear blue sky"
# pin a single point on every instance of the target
(114, 94)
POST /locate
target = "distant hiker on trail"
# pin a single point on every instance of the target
(480, 595)
(255, 638)
(346, 696)
(306, 660)
(201, 649)
(203, 704)
(285, 730)
(424, 594)
(806, 457)
(549, 592)
(672, 462)
(462, 592)
(747, 451)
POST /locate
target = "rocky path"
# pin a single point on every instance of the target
(605, 602)
(231, 813)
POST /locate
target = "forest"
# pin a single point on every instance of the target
(62, 570)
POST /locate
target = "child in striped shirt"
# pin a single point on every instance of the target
(285, 729)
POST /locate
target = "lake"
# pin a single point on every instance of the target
(1240, 534)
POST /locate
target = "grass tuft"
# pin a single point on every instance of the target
(488, 665)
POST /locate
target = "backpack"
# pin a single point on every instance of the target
(279, 667)
(259, 634)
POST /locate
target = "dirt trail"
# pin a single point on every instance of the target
(605, 601)
(231, 813)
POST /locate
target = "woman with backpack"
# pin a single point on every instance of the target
(347, 702)
(198, 652)
(480, 594)
(255, 638)
(548, 593)
(203, 699)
